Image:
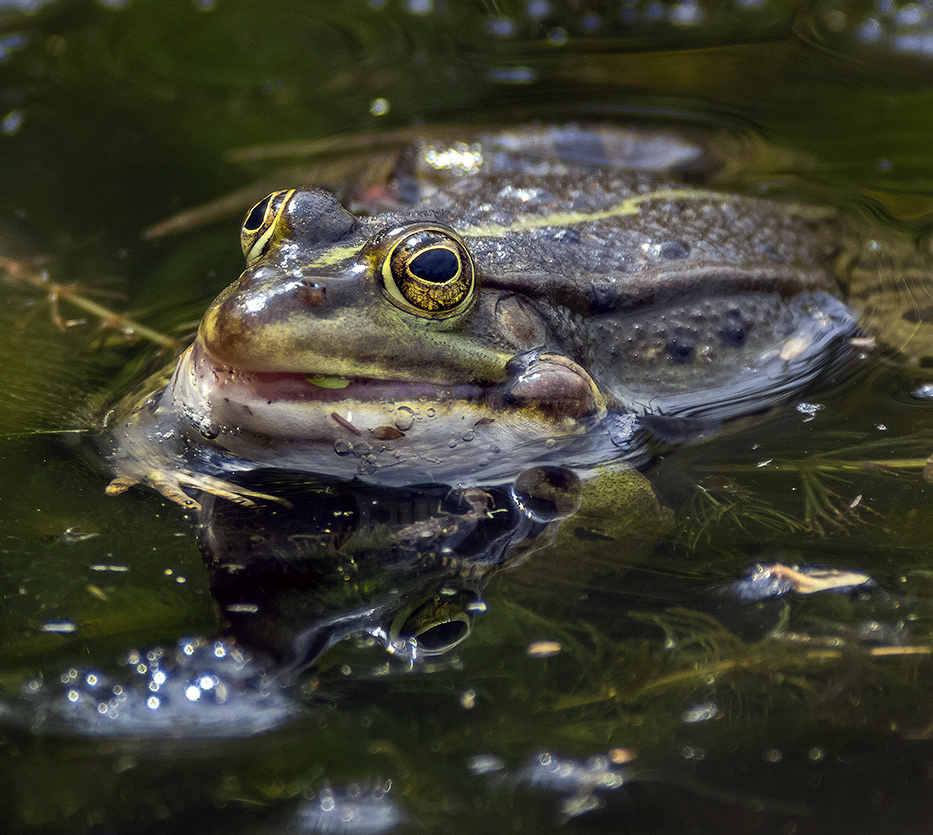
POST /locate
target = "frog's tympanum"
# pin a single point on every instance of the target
(509, 308)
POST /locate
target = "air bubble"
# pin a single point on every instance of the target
(419, 7)
(501, 27)
(11, 123)
(379, 107)
(538, 8)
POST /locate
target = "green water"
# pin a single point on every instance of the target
(664, 710)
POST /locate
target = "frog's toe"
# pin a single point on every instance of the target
(119, 485)
(173, 483)
(166, 485)
(169, 484)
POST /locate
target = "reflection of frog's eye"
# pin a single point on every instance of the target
(436, 626)
(259, 227)
(428, 271)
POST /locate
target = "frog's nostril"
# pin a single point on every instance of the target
(311, 294)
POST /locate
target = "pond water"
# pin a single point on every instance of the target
(532, 657)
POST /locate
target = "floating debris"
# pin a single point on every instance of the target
(768, 580)
(77, 296)
(59, 627)
(544, 649)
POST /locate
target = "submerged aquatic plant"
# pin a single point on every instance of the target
(827, 487)
(78, 296)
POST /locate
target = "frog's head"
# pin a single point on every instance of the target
(353, 314)
(331, 297)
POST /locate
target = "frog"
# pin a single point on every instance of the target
(491, 306)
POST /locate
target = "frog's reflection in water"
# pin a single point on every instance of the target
(328, 561)
(406, 566)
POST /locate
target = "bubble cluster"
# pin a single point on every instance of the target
(200, 688)
(357, 809)
(880, 26)
(579, 782)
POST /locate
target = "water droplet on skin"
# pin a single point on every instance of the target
(404, 419)
(469, 435)
(550, 443)
(342, 448)
(431, 412)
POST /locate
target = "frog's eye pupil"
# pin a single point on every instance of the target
(257, 214)
(437, 265)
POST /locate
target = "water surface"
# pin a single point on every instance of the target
(610, 679)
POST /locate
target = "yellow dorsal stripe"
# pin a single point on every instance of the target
(629, 206)
(335, 255)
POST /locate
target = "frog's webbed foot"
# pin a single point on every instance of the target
(171, 484)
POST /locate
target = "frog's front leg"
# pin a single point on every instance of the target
(153, 443)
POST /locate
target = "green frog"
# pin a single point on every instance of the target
(546, 294)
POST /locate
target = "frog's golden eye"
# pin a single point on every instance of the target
(261, 225)
(429, 271)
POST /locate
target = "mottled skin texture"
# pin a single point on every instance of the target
(589, 290)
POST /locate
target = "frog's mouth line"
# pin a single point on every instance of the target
(297, 387)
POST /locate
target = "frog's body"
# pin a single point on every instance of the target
(514, 310)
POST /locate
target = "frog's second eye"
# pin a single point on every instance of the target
(429, 271)
(259, 227)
